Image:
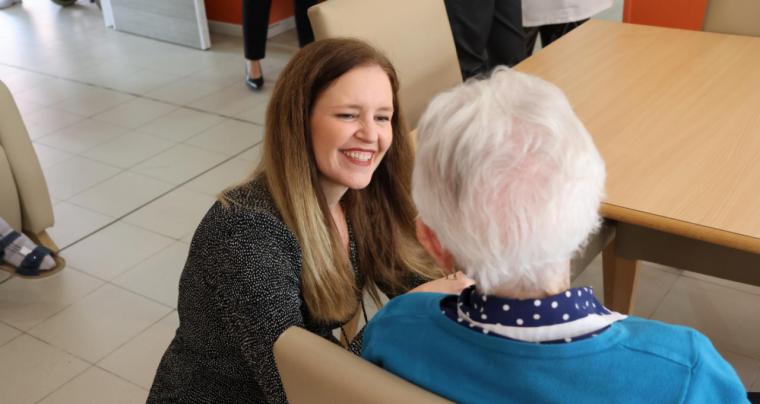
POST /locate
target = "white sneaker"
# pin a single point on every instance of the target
(8, 3)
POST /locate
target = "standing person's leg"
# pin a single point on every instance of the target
(303, 26)
(550, 33)
(255, 28)
(506, 44)
(470, 22)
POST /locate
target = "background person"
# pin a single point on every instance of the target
(555, 18)
(256, 29)
(487, 33)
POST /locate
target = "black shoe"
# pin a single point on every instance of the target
(254, 84)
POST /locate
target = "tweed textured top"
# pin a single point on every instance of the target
(239, 290)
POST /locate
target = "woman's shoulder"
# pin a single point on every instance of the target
(248, 210)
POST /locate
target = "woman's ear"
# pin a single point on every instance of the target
(430, 243)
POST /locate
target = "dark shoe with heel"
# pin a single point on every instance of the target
(254, 84)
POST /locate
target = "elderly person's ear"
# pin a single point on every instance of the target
(430, 243)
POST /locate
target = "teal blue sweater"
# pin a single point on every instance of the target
(634, 361)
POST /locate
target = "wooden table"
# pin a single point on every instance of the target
(676, 116)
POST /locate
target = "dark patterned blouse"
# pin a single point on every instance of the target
(239, 290)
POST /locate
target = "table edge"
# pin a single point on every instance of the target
(681, 228)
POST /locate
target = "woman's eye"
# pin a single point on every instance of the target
(383, 118)
(346, 116)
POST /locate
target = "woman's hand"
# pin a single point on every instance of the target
(451, 284)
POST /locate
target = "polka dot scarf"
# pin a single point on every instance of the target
(570, 316)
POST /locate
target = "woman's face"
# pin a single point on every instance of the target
(351, 128)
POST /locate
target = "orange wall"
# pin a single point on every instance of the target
(231, 11)
(686, 14)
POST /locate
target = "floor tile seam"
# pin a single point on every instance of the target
(186, 141)
(59, 349)
(663, 268)
(755, 359)
(135, 97)
(78, 153)
(120, 377)
(81, 154)
(20, 332)
(99, 362)
(170, 190)
(89, 362)
(97, 86)
(120, 170)
(65, 307)
(52, 132)
(715, 283)
(661, 300)
(94, 85)
(132, 268)
(51, 106)
(64, 383)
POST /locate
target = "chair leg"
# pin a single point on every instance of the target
(44, 240)
(619, 280)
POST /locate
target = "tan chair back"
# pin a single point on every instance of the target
(316, 371)
(739, 17)
(415, 35)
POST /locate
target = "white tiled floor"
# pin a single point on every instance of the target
(136, 137)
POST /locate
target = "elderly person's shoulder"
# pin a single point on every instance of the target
(410, 306)
(675, 343)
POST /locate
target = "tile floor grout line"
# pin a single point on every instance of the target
(121, 377)
(152, 200)
(664, 295)
(139, 333)
(64, 307)
(135, 95)
(124, 288)
(86, 295)
(711, 281)
(64, 384)
(20, 333)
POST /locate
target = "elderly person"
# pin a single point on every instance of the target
(508, 184)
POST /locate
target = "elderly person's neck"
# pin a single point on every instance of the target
(558, 282)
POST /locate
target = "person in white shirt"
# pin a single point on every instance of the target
(554, 18)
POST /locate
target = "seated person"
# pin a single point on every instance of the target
(508, 184)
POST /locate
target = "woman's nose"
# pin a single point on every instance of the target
(367, 130)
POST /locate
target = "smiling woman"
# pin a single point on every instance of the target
(326, 217)
(351, 129)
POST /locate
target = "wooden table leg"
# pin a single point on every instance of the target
(619, 280)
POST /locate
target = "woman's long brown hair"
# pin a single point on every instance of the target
(382, 215)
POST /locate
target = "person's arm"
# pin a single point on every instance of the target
(258, 295)
(713, 379)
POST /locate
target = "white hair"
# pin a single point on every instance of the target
(508, 178)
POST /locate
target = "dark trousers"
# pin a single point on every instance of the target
(256, 25)
(487, 33)
(549, 33)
